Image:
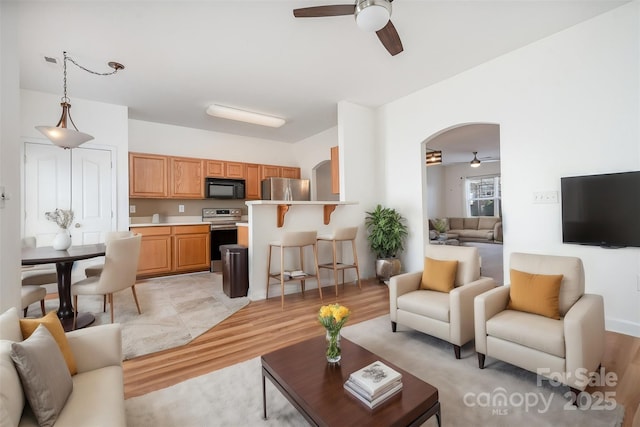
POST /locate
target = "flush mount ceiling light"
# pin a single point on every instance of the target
(60, 134)
(475, 162)
(372, 15)
(434, 157)
(244, 116)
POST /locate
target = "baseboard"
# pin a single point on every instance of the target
(623, 327)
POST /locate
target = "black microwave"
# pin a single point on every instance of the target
(217, 188)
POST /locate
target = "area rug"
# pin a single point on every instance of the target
(469, 396)
(175, 310)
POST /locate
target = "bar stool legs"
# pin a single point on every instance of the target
(292, 239)
(341, 235)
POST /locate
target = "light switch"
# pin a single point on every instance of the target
(545, 197)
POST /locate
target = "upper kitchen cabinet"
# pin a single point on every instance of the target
(222, 169)
(148, 175)
(335, 170)
(252, 182)
(215, 168)
(273, 171)
(269, 171)
(187, 179)
(288, 172)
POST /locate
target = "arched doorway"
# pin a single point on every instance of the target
(466, 184)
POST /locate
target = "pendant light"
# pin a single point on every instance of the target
(61, 134)
(475, 162)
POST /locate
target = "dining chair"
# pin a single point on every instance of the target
(118, 273)
(96, 269)
(31, 294)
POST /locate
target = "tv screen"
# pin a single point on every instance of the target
(601, 210)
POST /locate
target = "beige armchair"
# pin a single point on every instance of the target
(565, 349)
(448, 316)
(119, 272)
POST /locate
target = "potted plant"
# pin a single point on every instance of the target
(386, 235)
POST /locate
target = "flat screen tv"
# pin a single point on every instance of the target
(601, 210)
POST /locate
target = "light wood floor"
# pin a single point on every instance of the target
(262, 327)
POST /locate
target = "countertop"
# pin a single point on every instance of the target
(167, 224)
(298, 202)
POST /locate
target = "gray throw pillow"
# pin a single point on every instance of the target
(44, 374)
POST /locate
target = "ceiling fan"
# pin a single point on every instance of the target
(370, 15)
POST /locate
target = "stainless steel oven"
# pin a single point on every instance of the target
(224, 231)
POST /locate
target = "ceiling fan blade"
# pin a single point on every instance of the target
(319, 11)
(390, 39)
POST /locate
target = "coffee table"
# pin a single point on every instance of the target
(315, 388)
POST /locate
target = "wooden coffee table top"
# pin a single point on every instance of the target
(302, 373)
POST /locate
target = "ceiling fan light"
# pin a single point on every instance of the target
(475, 162)
(244, 116)
(372, 15)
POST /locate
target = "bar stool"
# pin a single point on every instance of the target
(293, 239)
(341, 235)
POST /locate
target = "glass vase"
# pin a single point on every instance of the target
(334, 353)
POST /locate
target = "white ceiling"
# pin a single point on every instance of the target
(180, 56)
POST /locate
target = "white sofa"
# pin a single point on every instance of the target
(97, 398)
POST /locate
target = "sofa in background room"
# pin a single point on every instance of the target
(471, 229)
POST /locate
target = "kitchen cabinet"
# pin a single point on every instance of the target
(186, 180)
(252, 183)
(215, 168)
(222, 169)
(243, 235)
(191, 249)
(268, 171)
(234, 170)
(168, 249)
(289, 172)
(335, 170)
(162, 177)
(148, 175)
(155, 251)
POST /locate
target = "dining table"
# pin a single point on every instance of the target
(64, 259)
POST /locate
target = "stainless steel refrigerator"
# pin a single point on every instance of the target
(285, 189)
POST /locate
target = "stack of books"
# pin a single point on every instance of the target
(374, 384)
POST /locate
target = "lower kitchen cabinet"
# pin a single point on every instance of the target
(173, 249)
(191, 248)
(155, 251)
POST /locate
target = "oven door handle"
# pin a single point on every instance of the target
(224, 228)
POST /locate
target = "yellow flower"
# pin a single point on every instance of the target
(325, 311)
(333, 316)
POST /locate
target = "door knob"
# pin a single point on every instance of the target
(78, 225)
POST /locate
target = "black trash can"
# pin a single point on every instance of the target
(235, 270)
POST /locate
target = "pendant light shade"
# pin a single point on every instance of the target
(61, 134)
(475, 162)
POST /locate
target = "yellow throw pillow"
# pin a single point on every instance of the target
(439, 275)
(535, 293)
(53, 324)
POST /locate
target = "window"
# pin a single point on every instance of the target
(483, 196)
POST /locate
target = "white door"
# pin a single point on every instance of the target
(56, 178)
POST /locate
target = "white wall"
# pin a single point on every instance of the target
(435, 194)
(107, 123)
(158, 138)
(313, 150)
(566, 105)
(9, 158)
